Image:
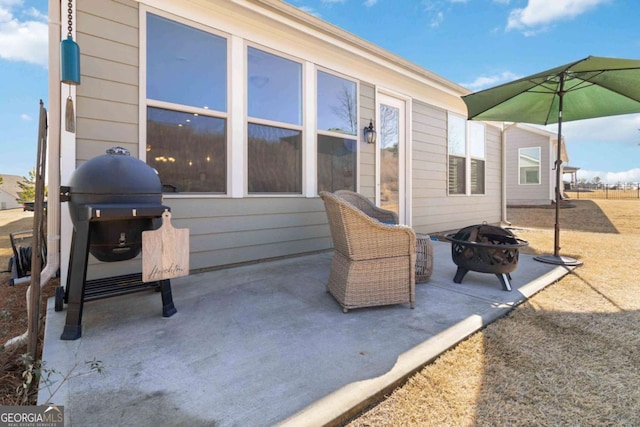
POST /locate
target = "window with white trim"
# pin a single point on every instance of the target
(186, 106)
(529, 165)
(274, 137)
(337, 126)
(466, 151)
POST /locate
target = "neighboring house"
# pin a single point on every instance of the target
(572, 171)
(530, 158)
(10, 191)
(249, 108)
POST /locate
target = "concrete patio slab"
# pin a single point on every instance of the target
(265, 344)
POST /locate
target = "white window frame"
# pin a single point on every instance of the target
(356, 137)
(468, 156)
(303, 128)
(520, 166)
(145, 102)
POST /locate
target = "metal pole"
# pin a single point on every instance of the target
(556, 235)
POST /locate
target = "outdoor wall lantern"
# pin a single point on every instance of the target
(370, 133)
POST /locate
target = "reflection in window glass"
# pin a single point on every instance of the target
(389, 141)
(476, 139)
(185, 65)
(456, 175)
(336, 163)
(457, 135)
(274, 160)
(477, 176)
(275, 87)
(529, 162)
(336, 104)
(187, 150)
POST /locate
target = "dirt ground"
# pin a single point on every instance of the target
(13, 312)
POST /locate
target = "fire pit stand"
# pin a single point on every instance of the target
(485, 249)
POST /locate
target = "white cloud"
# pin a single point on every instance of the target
(23, 39)
(370, 3)
(483, 82)
(437, 20)
(618, 129)
(25, 117)
(538, 14)
(630, 176)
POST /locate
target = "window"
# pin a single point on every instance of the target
(466, 148)
(457, 138)
(275, 160)
(187, 150)
(274, 129)
(186, 106)
(185, 66)
(529, 165)
(337, 130)
(476, 143)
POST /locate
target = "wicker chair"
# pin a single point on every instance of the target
(367, 206)
(373, 263)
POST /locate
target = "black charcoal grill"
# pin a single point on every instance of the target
(112, 199)
(485, 249)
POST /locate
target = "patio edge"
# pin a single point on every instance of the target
(345, 403)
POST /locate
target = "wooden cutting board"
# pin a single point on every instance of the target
(165, 251)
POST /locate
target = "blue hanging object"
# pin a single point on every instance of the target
(70, 61)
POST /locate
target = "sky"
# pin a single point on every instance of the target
(475, 43)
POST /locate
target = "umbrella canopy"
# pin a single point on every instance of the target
(585, 89)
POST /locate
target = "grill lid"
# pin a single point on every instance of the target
(115, 173)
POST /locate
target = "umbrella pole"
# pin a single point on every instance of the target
(556, 258)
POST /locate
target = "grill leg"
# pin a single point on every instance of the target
(75, 281)
(460, 273)
(168, 309)
(505, 281)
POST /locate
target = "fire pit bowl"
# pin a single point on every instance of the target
(485, 249)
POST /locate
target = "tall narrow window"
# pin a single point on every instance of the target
(186, 106)
(529, 165)
(466, 147)
(477, 151)
(457, 141)
(337, 130)
(275, 123)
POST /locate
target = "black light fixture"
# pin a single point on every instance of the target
(370, 133)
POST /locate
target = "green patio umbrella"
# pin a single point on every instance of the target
(588, 88)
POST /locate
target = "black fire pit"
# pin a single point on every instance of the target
(485, 249)
(112, 199)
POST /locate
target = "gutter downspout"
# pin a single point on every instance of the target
(53, 161)
(504, 219)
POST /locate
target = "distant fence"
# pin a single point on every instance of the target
(604, 191)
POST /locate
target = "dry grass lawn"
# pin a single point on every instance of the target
(568, 356)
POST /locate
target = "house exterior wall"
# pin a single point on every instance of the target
(528, 194)
(8, 201)
(10, 191)
(433, 209)
(237, 227)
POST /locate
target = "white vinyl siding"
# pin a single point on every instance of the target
(519, 193)
(433, 210)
